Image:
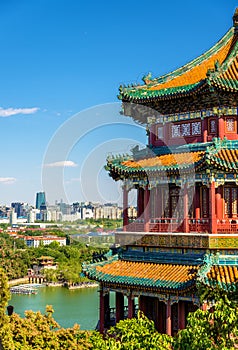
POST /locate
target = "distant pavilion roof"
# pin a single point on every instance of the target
(45, 257)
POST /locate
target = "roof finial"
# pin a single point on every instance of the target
(235, 19)
(147, 78)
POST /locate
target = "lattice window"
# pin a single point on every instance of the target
(234, 201)
(165, 202)
(185, 129)
(204, 202)
(190, 201)
(230, 125)
(175, 130)
(227, 201)
(174, 206)
(196, 128)
(213, 126)
(174, 201)
(160, 132)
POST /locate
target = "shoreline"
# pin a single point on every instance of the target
(25, 280)
(53, 284)
(18, 281)
(84, 285)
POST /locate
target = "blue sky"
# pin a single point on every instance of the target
(62, 62)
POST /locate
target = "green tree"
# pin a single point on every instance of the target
(42, 332)
(211, 329)
(139, 333)
(50, 275)
(132, 334)
(54, 245)
(6, 341)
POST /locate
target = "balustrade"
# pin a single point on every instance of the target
(176, 225)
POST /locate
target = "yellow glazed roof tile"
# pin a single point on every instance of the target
(166, 272)
(166, 160)
(198, 72)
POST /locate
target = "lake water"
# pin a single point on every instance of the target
(70, 306)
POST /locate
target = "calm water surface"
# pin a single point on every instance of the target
(70, 306)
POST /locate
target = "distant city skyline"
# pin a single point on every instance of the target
(61, 67)
(21, 213)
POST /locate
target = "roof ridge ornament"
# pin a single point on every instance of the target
(147, 79)
(217, 145)
(209, 260)
(217, 66)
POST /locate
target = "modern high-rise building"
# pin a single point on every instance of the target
(13, 217)
(40, 201)
(20, 208)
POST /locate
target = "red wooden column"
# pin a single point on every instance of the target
(119, 306)
(219, 204)
(168, 318)
(125, 208)
(204, 129)
(197, 203)
(131, 307)
(102, 312)
(142, 305)
(212, 208)
(146, 209)
(221, 128)
(181, 314)
(221, 190)
(185, 209)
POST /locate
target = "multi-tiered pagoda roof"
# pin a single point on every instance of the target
(209, 80)
(186, 180)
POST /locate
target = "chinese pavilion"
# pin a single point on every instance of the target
(187, 187)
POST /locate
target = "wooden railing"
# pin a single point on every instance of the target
(166, 225)
(157, 225)
(199, 225)
(176, 225)
(227, 226)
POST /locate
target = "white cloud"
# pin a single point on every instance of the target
(63, 163)
(8, 112)
(7, 180)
